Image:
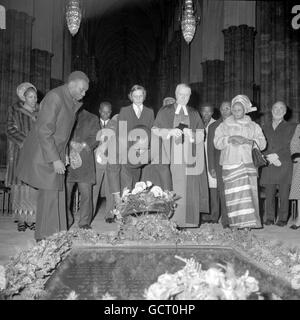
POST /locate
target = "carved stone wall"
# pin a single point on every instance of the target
(279, 58)
(40, 70)
(213, 82)
(239, 61)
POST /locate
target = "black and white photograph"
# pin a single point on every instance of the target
(149, 151)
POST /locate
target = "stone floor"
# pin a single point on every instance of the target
(12, 241)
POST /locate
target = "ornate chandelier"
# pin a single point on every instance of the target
(188, 21)
(73, 16)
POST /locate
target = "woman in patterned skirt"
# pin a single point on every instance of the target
(295, 186)
(235, 137)
(21, 117)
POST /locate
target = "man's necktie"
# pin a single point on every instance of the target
(139, 112)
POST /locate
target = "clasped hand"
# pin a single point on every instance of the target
(176, 132)
(78, 147)
(238, 140)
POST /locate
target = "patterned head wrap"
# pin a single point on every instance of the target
(245, 101)
(21, 89)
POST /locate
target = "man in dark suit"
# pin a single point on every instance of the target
(213, 157)
(129, 118)
(100, 189)
(82, 167)
(279, 134)
(206, 112)
(43, 156)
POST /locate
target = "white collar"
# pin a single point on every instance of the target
(179, 106)
(135, 107)
(104, 121)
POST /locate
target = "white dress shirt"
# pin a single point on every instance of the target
(138, 110)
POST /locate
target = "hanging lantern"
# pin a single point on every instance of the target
(188, 21)
(73, 16)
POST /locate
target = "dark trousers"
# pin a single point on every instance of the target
(283, 208)
(101, 190)
(51, 214)
(86, 203)
(129, 176)
(221, 196)
(213, 207)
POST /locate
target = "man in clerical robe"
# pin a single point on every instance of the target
(182, 132)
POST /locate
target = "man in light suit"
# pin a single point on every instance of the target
(43, 156)
(100, 189)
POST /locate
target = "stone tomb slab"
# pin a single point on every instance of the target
(126, 272)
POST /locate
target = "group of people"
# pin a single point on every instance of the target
(207, 162)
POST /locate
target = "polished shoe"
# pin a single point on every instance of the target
(86, 227)
(21, 226)
(31, 226)
(268, 223)
(294, 227)
(109, 220)
(280, 223)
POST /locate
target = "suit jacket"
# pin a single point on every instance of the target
(213, 154)
(278, 142)
(86, 128)
(47, 140)
(128, 116)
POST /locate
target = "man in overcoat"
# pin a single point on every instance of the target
(82, 172)
(278, 174)
(43, 156)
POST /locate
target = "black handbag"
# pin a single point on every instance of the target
(259, 160)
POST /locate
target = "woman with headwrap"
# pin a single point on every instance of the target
(235, 137)
(21, 116)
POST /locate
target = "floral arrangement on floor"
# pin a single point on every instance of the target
(28, 271)
(145, 198)
(193, 283)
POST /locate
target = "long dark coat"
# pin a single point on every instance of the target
(213, 154)
(85, 130)
(19, 123)
(47, 140)
(196, 185)
(278, 141)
